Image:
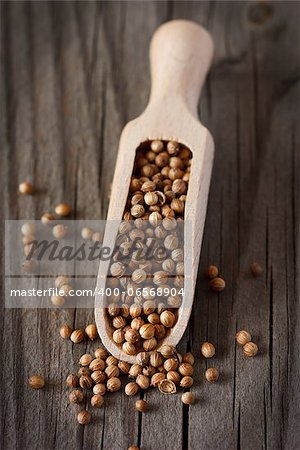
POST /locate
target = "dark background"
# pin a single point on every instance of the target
(72, 75)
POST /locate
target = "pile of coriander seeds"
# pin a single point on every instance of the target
(147, 268)
(101, 373)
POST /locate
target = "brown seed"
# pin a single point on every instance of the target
(87, 233)
(119, 322)
(217, 284)
(189, 358)
(250, 349)
(173, 147)
(124, 367)
(112, 371)
(142, 358)
(167, 351)
(84, 371)
(72, 380)
(157, 378)
(212, 374)
(118, 336)
(85, 360)
(132, 336)
(156, 359)
(99, 388)
(28, 229)
(142, 381)
(61, 281)
(174, 376)
(98, 376)
(242, 337)
(186, 382)
(97, 364)
(167, 319)
(91, 331)
(208, 350)
(151, 198)
(101, 353)
(135, 370)
(26, 188)
(167, 387)
(147, 331)
(179, 187)
(185, 369)
(76, 396)
(97, 401)
(188, 398)
(137, 211)
(77, 336)
(129, 348)
(212, 272)
(47, 218)
(85, 382)
(65, 331)
(135, 311)
(157, 146)
(256, 269)
(171, 364)
(117, 269)
(113, 384)
(111, 361)
(141, 405)
(177, 206)
(136, 323)
(149, 344)
(63, 209)
(59, 231)
(36, 381)
(131, 389)
(84, 417)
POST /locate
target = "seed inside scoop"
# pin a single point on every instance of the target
(146, 274)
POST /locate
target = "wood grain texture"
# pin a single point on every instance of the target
(73, 74)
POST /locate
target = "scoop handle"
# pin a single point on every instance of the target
(181, 52)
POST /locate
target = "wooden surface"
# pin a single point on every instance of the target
(73, 75)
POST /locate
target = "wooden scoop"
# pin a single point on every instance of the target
(180, 56)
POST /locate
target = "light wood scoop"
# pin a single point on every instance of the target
(180, 56)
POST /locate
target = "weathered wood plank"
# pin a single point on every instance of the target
(74, 73)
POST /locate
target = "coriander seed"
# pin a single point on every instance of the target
(59, 231)
(72, 380)
(174, 376)
(77, 336)
(47, 218)
(84, 417)
(208, 350)
(76, 396)
(167, 318)
(85, 360)
(85, 382)
(141, 405)
(250, 349)
(65, 331)
(26, 188)
(63, 209)
(97, 364)
(186, 382)
(91, 331)
(101, 353)
(185, 369)
(256, 269)
(212, 374)
(87, 233)
(217, 284)
(242, 337)
(212, 272)
(113, 384)
(97, 401)
(131, 389)
(36, 381)
(188, 398)
(99, 388)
